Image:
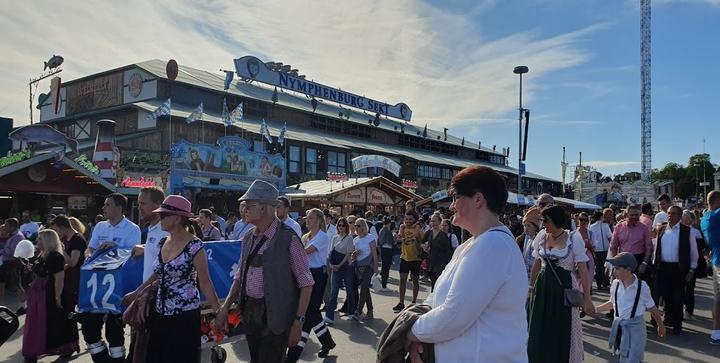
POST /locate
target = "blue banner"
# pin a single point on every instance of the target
(105, 278)
(110, 274)
(223, 258)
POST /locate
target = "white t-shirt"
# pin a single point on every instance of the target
(479, 319)
(152, 252)
(626, 298)
(453, 240)
(600, 234)
(321, 242)
(362, 245)
(575, 240)
(295, 226)
(240, 229)
(30, 228)
(222, 222)
(660, 218)
(331, 232)
(125, 234)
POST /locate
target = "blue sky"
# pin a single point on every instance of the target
(451, 61)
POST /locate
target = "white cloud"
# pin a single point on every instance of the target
(399, 51)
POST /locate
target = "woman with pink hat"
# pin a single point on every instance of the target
(182, 267)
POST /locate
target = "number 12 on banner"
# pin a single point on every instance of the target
(92, 284)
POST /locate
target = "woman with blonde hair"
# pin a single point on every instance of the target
(77, 225)
(74, 245)
(366, 265)
(317, 247)
(48, 331)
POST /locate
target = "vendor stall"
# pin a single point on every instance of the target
(378, 194)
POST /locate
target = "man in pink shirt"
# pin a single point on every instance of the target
(633, 237)
(646, 216)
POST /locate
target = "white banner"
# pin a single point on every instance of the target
(376, 161)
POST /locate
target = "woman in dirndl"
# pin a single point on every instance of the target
(555, 329)
(48, 329)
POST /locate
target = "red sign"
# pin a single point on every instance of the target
(171, 69)
(138, 183)
(336, 177)
(409, 184)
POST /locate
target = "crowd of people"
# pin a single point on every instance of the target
(504, 287)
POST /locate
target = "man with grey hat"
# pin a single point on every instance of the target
(629, 297)
(273, 283)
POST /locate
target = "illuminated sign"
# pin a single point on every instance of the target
(138, 183)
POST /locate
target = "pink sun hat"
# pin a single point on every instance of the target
(176, 204)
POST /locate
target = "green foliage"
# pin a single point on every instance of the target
(686, 178)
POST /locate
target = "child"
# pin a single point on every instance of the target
(630, 298)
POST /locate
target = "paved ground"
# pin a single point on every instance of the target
(356, 341)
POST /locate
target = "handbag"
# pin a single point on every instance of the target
(137, 313)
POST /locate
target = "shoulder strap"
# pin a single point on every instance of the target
(252, 254)
(616, 300)
(637, 298)
(552, 268)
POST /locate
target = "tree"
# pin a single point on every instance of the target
(687, 179)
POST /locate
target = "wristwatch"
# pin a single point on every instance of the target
(300, 318)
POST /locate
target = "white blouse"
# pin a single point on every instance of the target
(575, 240)
(478, 307)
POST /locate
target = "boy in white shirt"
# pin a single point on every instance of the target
(630, 297)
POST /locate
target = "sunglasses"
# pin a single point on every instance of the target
(358, 225)
(583, 219)
(164, 215)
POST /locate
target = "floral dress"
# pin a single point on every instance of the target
(175, 326)
(178, 288)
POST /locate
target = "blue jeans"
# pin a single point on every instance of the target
(344, 275)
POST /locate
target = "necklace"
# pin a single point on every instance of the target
(559, 234)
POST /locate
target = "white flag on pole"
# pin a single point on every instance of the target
(195, 115)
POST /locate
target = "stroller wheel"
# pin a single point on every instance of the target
(218, 354)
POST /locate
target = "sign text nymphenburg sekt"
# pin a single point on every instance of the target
(253, 68)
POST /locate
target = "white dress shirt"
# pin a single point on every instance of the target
(295, 226)
(240, 228)
(626, 298)
(478, 306)
(600, 235)
(152, 252)
(660, 218)
(321, 242)
(671, 246)
(125, 234)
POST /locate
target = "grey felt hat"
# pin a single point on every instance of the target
(262, 192)
(624, 259)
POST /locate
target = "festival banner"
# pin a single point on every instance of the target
(231, 159)
(376, 161)
(110, 274)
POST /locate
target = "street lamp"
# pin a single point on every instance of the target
(520, 70)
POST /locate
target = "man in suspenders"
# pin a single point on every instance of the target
(630, 297)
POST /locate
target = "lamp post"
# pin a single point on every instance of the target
(520, 70)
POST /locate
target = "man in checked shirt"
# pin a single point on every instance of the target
(273, 282)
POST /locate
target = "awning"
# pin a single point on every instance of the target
(52, 177)
(519, 199)
(576, 203)
(326, 190)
